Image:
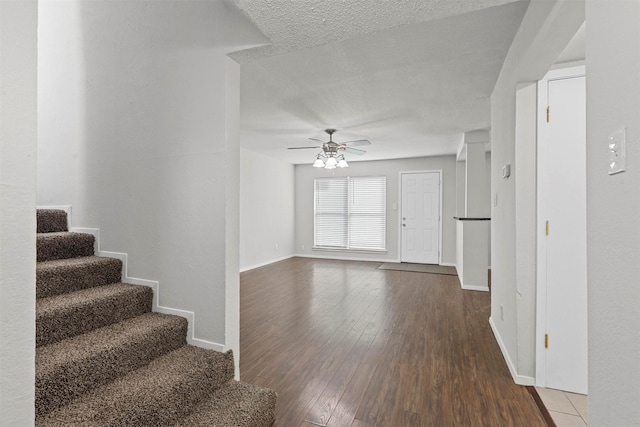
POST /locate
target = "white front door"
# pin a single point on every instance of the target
(562, 158)
(420, 217)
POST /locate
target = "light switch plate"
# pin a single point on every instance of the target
(506, 171)
(617, 151)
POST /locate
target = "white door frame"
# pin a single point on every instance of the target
(541, 202)
(439, 172)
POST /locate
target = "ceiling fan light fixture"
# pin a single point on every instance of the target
(331, 156)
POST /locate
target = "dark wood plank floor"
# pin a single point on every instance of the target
(345, 344)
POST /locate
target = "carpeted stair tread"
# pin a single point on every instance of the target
(60, 276)
(63, 245)
(68, 368)
(158, 394)
(68, 315)
(51, 220)
(103, 359)
(237, 404)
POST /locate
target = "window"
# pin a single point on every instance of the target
(350, 213)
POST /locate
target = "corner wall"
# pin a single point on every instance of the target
(267, 220)
(18, 66)
(137, 115)
(613, 213)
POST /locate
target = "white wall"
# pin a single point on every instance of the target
(305, 175)
(232, 212)
(18, 37)
(525, 211)
(476, 188)
(461, 187)
(460, 192)
(267, 220)
(546, 29)
(613, 213)
(137, 120)
(487, 171)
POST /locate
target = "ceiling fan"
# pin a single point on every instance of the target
(331, 156)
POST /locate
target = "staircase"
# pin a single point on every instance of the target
(104, 359)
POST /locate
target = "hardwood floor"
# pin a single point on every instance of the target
(346, 344)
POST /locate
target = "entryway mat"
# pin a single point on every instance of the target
(419, 268)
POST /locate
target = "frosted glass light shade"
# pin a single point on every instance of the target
(318, 163)
(343, 163)
(331, 161)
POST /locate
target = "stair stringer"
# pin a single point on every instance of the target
(153, 284)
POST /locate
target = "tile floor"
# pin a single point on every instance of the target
(566, 409)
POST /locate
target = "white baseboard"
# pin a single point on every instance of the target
(518, 379)
(444, 264)
(352, 258)
(262, 264)
(345, 258)
(466, 287)
(155, 285)
(475, 288)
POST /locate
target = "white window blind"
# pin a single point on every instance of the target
(331, 213)
(350, 213)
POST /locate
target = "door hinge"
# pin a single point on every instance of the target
(546, 340)
(547, 227)
(548, 114)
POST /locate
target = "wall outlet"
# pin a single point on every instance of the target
(276, 246)
(302, 247)
(501, 313)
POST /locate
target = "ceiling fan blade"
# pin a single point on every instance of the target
(354, 151)
(357, 142)
(302, 148)
(316, 139)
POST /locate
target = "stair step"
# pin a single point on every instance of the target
(51, 220)
(236, 404)
(63, 245)
(154, 395)
(68, 315)
(67, 369)
(68, 275)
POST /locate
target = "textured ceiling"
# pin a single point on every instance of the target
(411, 76)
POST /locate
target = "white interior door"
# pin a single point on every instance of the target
(420, 217)
(563, 233)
